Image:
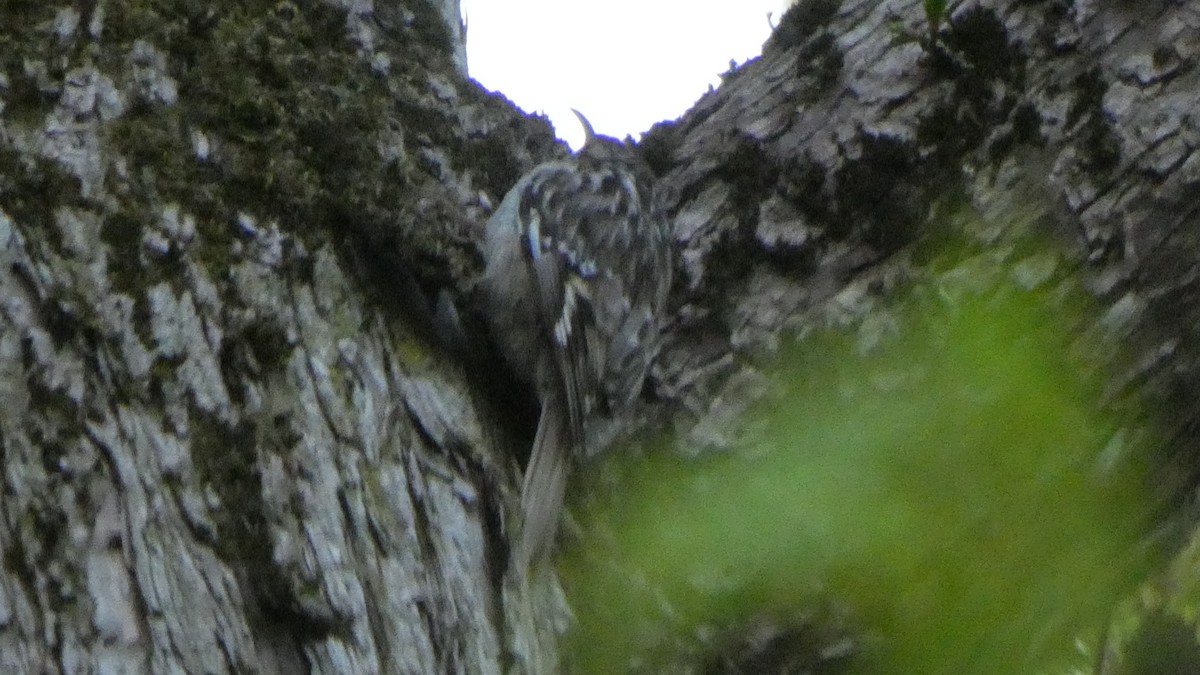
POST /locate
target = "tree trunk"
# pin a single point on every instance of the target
(230, 439)
(228, 447)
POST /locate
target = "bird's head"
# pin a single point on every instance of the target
(600, 150)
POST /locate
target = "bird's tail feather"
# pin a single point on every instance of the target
(545, 485)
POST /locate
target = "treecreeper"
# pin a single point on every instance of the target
(578, 267)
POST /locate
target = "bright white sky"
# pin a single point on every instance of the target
(626, 64)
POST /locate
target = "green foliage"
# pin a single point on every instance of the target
(960, 489)
(935, 13)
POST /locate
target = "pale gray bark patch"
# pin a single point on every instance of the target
(160, 578)
(218, 455)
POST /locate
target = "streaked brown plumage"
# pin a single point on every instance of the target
(578, 269)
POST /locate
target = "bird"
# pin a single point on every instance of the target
(578, 266)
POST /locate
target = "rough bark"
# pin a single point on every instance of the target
(228, 445)
(229, 441)
(814, 178)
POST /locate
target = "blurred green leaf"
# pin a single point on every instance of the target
(935, 12)
(960, 489)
